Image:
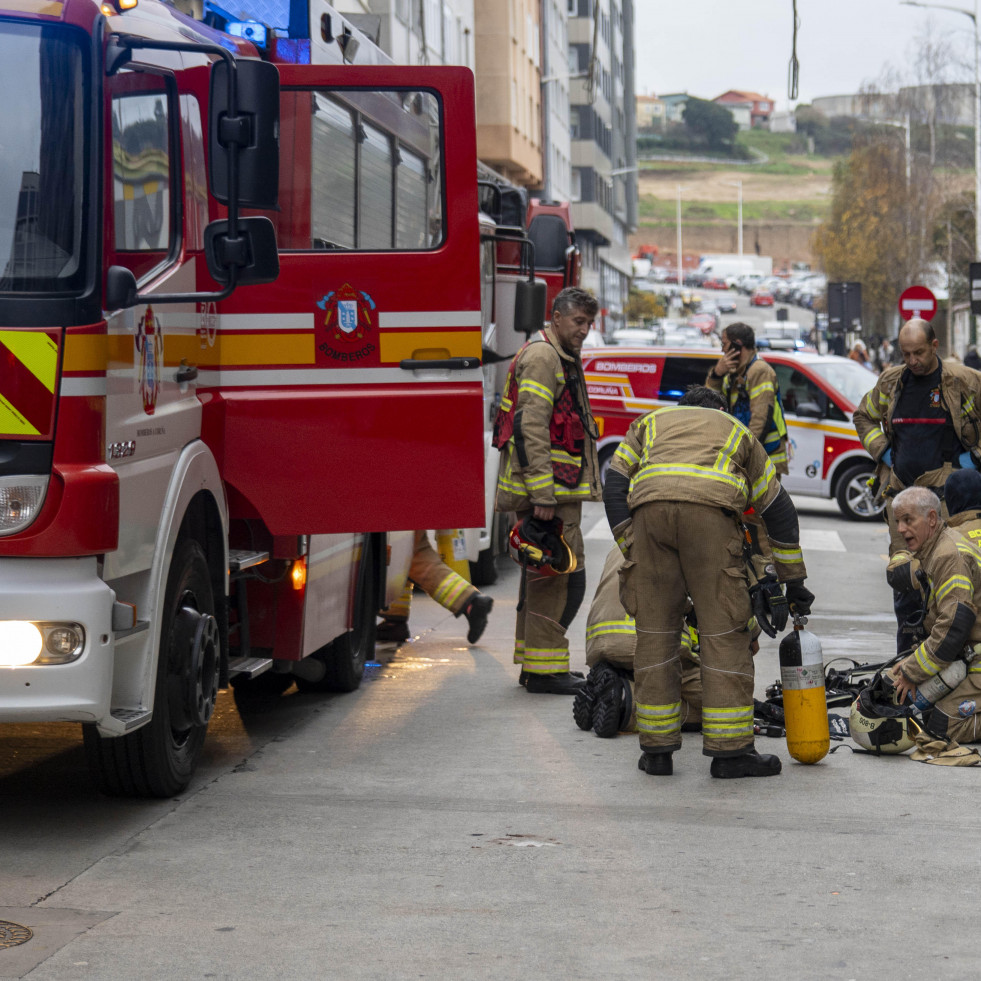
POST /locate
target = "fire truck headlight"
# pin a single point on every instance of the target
(20, 643)
(20, 501)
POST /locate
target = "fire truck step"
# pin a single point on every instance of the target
(249, 666)
(128, 719)
(240, 559)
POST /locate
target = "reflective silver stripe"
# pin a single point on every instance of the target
(433, 318)
(293, 377)
(83, 386)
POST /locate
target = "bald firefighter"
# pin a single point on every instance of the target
(677, 488)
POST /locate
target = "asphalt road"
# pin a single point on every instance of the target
(443, 823)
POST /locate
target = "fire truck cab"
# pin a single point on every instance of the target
(221, 414)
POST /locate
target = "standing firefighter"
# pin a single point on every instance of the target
(547, 438)
(750, 391)
(921, 421)
(677, 487)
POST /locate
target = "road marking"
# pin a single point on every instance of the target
(821, 541)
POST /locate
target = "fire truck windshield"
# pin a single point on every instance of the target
(42, 160)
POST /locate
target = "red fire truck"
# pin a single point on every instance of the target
(240, 339)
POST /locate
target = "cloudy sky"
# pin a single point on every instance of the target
(707, 46)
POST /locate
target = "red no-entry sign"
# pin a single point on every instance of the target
(917, 301)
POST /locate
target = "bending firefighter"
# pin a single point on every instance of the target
(547, 438)
(606, 703)
(677, 487)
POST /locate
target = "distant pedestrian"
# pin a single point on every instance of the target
(972, 359)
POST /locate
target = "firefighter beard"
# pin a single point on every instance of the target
(679, 548)
(551, 603)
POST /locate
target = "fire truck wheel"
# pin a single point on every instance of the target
(605, 459)
(344, 659)
(851, 493)
(158, 760)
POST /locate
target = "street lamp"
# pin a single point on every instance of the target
(977, 117)
(678, 220)
(739, 218)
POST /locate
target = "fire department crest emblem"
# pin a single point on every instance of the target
(349, 316)
(348, 313)
(935, 397)
(149, 345)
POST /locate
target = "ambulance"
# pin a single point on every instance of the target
(819, 394)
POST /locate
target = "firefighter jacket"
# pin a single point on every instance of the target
(960, 390)
(703, 456)
(967, 524)
(753, 397)
(953, 570)
(545, 430)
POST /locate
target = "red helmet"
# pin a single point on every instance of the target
(539, 544)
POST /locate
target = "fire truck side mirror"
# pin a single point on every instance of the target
(253, 126)
(529, 306)
(252, 253)
(121, 292)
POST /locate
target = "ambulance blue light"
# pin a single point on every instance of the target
(250, 30)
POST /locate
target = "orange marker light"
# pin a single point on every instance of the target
(298, 574)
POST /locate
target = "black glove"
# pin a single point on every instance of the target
(799, 597)
(769, 606)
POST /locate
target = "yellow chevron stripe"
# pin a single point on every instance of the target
(36, 351)
(12, 423)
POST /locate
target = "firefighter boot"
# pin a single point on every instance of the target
(565, 683)
(476, 614)
(613, 702)
(582, 707)
(656, 764)
(392, 631)
(751, 764)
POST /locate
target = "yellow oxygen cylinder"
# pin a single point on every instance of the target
(805, 707)
(451, 543)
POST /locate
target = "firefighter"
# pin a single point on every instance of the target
(435, 578)
(750, 390)
(605, 704)
(920, 421)
(547, 438)
(962, 495)
(677, 487)
(950, 628)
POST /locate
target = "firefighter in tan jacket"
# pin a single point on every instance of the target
(951, 628)
(750, 390)
(605, 704)
(677, 487)
(547, 438)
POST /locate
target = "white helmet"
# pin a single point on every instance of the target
(878, 723)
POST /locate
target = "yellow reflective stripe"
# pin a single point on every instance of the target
(787, 555)
(968, 405)
(545, 660)
(563, 456)
(954, 582)
(924, 660)
(763, 484)
(870, 437)
(530, 387)
(760, 389)
(727, 723)
(536, 483)
(729, 447)
(690, 470)
(450, 589)
(624, 626)
(627, 454)
(12, 423)
(583, 489)
(874, 407)
(506, 405)
(659, 718)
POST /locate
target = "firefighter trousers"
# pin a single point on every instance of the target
(551, 603)
(678, 548)
(435, 578)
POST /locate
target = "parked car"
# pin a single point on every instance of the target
(819, 394)
(761, 298)
(715, 284)
(726, 304)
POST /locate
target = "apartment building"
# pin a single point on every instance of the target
(604, 147)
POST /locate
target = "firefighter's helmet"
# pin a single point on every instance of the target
(878, 722)
(539, 544)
